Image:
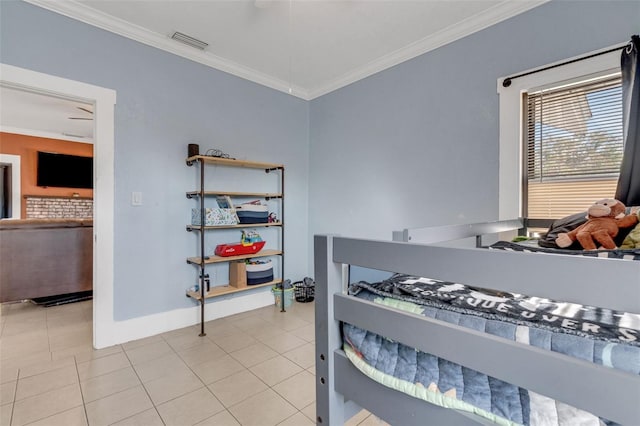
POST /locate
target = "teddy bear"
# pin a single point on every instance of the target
(632, 240)
(604, 219)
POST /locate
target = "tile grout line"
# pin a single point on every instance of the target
(200, 379)
(110, 394)
(190, 367)
(103, 374)
(45, 372)
(3, 318)
(289, 402)
(207, 387)
(84, 405)
(13, 402)
(46, 323)
(41, 418)
(143, 387)
(245, 368)
(248, 369)
(297, 412)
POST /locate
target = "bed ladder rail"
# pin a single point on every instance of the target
(564, 277)
(436, 234)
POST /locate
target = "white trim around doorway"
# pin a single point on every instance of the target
(104, 326)
(16, 194)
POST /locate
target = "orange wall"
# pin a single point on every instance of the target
(27, 148)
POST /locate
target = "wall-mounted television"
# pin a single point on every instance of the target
(64, 171)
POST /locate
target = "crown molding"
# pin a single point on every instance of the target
(500, 12)
(96, 18)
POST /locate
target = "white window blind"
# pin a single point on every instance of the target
(573, 145)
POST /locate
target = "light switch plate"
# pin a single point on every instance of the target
(136, 198)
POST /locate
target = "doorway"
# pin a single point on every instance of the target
(10, 186)
(103, 101)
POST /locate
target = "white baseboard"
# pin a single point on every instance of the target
(150, 325)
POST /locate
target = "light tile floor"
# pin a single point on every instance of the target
(254, 368)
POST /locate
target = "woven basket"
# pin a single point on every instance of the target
(277, 296)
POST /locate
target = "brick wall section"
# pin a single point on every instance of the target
(59, 208)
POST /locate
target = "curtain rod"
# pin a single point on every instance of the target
(507, 81)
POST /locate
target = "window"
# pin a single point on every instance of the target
(573, 147)
(513, 175)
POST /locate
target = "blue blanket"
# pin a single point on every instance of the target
(420, 373)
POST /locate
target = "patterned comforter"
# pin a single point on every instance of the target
(596, 335)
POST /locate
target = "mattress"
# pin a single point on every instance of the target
(593, 334)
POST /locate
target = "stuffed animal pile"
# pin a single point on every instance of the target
(604, 220)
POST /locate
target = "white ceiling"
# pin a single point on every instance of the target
(45, 116)
(303, 47)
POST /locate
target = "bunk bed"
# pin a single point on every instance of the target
(342, 389)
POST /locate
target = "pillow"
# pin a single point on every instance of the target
(558, 226)
(570, 223)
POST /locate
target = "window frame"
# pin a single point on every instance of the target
(512, 126)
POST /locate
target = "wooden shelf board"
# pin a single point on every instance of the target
(240, 225)
(227, 289)
(233, 163)
(222, 259)
(236, 194)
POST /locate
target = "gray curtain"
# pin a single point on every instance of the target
(628, 190)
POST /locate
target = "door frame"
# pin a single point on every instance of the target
(104, 330)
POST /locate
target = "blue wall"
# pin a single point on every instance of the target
(163, 103)
(417, 145)
(414, 145)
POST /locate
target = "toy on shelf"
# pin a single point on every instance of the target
(250, 243)
(250, 237)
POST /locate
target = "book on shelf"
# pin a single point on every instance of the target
(224, 202)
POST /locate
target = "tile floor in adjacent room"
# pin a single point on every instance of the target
(253, 368)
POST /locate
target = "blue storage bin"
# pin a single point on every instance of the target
(252, 213)
(259, 272)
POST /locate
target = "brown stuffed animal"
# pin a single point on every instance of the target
(605, 218)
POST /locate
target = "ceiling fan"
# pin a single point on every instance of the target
(83, 118)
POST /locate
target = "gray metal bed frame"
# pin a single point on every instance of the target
(341, 390)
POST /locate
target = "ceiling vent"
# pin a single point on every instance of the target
(189, 41)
